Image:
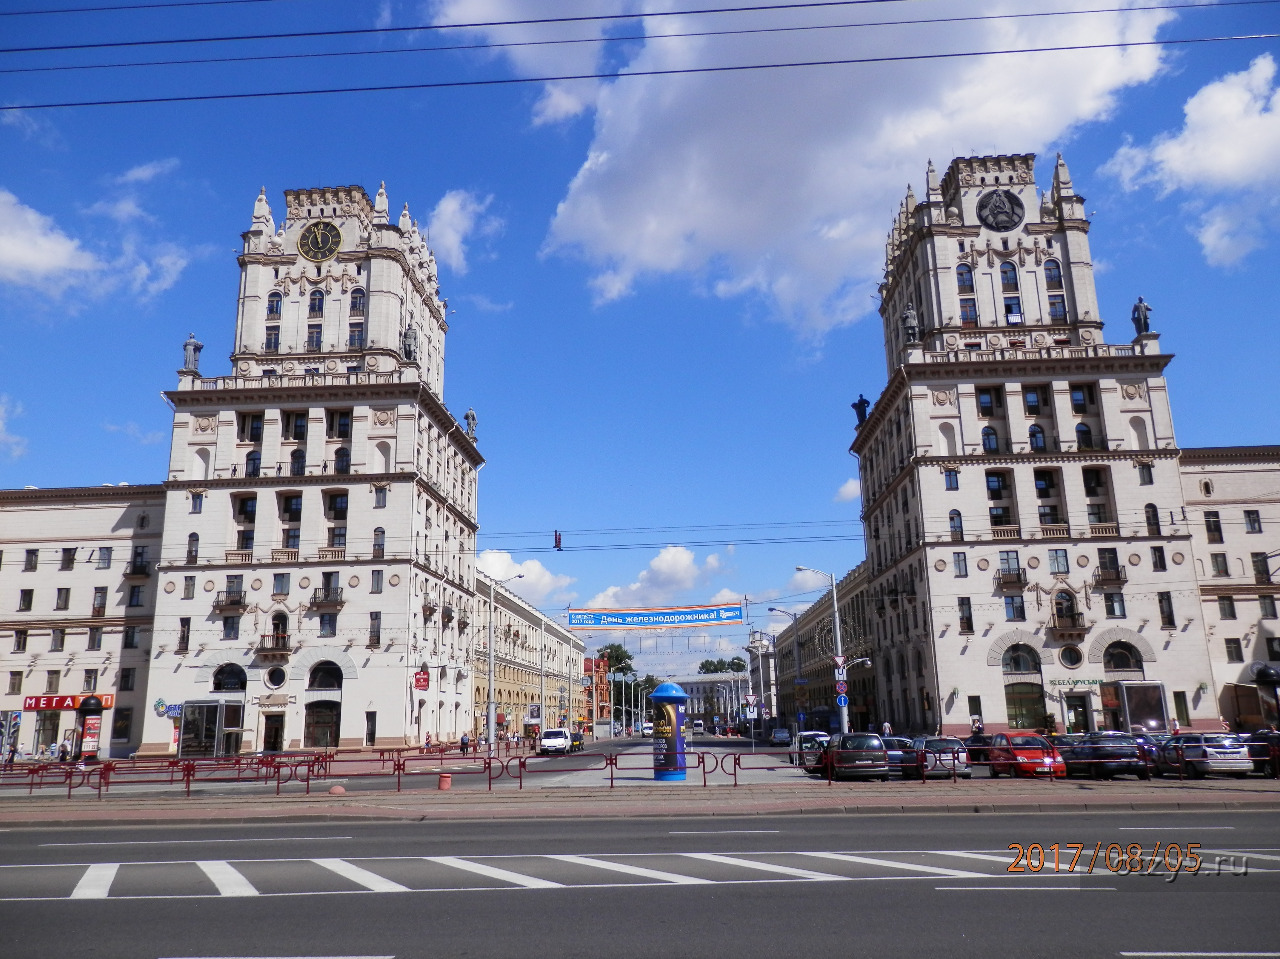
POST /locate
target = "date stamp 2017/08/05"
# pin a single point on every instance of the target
(1167, 860)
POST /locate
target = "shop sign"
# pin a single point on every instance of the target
(422, 680)
(1077, 682)
(40, 703)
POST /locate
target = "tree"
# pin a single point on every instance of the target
(713, 666)
(618, 657)
(737, 665)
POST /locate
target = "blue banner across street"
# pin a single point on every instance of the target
(668, 617)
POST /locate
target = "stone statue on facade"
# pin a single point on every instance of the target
(191, 353)
(861, 407)
(911, 323)
(409, 343)
(1141, 317)
(471, 424)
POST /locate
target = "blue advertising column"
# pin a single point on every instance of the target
(668, 732)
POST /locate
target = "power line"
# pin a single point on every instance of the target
(508, 81)
(502, 45)
(130, 6)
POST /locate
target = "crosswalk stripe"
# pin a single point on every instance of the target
(764, 866)
(493, 872)
(363, 877)
(868, 861)
(228, 881)
(96, 881)
(1005, 860)
(633, 870)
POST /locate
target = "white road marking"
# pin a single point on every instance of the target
(634, 870)
(1242, 854)
(971, 855)
(96, 881)
(281, 957)
(1031, 888)
(362, 877)
(1166, 829)
(228, 882)
(1261, 955)
(718, 832)
(181, 842)
(493, 872)
(934, 870)
(764, 866)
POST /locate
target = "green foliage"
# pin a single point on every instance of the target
(618, 657)
(735, 665)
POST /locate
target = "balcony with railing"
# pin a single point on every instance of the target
(1010, 578)
(1055, 530)
(331, 596)
(274, 645)
(228, 598)
(1006, 532)
(331, 554)
(375, 639)
(1110, 577)
(284, 556)
(1104, 529)
(1067, 624)
(138, 567)
(98, 610)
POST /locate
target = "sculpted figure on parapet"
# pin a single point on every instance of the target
(191, 353)
(1141, 317)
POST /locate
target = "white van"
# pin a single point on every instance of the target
(647, 729)
(699, 727)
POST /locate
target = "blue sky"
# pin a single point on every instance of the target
(663, 285)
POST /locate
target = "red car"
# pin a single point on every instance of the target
(1024, 754)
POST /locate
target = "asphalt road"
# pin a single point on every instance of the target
(763, 886)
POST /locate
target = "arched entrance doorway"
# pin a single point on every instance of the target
(323, 718)
(1023, 687)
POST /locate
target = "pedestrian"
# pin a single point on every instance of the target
(466, 743)
(886, 729)
(64, 752)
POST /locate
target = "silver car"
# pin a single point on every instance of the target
(944, 756)
(1203, 753)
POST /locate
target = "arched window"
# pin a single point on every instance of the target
(1064, 605)
(274, 302)
(964, 279)
(957, 524)
(280, 625)
(298, 463)
(379, 542)
(1052, 275)
(919, 663)
(1036, 437)
(253, 463)
(229, 678)
(1084, 437)
(902, 666)
(357, 302)
(342, 460)
(315, 305)
(1121, 656)
(325, 675)
(1020, 658)
(1008, 277)
(990, 441)
(193, 547)
(1153, 519)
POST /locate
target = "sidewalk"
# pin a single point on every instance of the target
(645, 798)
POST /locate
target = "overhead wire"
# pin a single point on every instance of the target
(130, 6)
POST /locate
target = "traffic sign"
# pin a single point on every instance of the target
(839, 661)
(751, 712)
(751, 698)
(841, 674)
(842, 701)
(800, 717)
(842, 687)
(802, 682)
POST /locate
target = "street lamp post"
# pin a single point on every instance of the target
(795, 641)
(492, 712)
(835, 629)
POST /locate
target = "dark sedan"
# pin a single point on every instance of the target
(978, 745)
(900, 753)
(1103, 755)
(856, 754)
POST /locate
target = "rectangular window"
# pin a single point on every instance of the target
(135, 595)
(375, 581)
(15, 683)
(1226, 607)
(1049, 516)
(197, 502)
(1157, 559)
(291, 509)
(1146, 476)
(968, 312)
(1058, 562)
(280, 584)
(244, 539)
(338, 506)
(1108, 559)
(95, 638)
(355, 336)
(964, 607)
(1046, 483)
(1014, 610)
(1218, 561)
(1252, 521)
(188, 587)
(1081, 398)
(1057, 308)
(997, 483)
(328, 624)
(1273, 648)
(1115, 605)
(1031, 398)
(1213, 526)
(184, 633)
(130, 638)
(1013, 310)
(380, 497)
(1097, 513)
(952, 479)
(988, 401)
(127, 679)
(1235, 654)
(297, 426)
(272, 344)
(1165, 602)
(1261, 567)
(247, 509)
(26, 597)
(338, 537)
(90, 680)
(57, 640)
(315, 334)
(19, 640)
(1001, 516)
(960, 561)
(1009, 562)
(99, 600)
(32, 561)
(1092, 482)
(1267, 607)
(339, 424)
(375, 625)
(68, 558)
(1180, 708)
(251, 427)
(290, 538)
(51, 678)
(230, 627)
(62, 598)
(122, 724)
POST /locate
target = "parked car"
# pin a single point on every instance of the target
(861, 755)
(1259, 746)
(699, 727)
(1151, 744)
(978, 745)
(780, 738)
(1204, 753)
(1023, 754)
(553, 741)
(810, 751)
(897, 747)
(943, 756)
(647, 729)
(1103, 755)
(577, 742)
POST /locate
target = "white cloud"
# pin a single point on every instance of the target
(1228, 149)
(537, 583)
(726, 595)
(134, 432)
(384, 17)
(456, 218)
(146, 172)
(11, 445)
(849, 491)
(673, 571)
(805, 580)
(34, 252)
(32, 127)
(486, 305)
(122, 209)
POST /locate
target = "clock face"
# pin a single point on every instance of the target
(319, 241)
